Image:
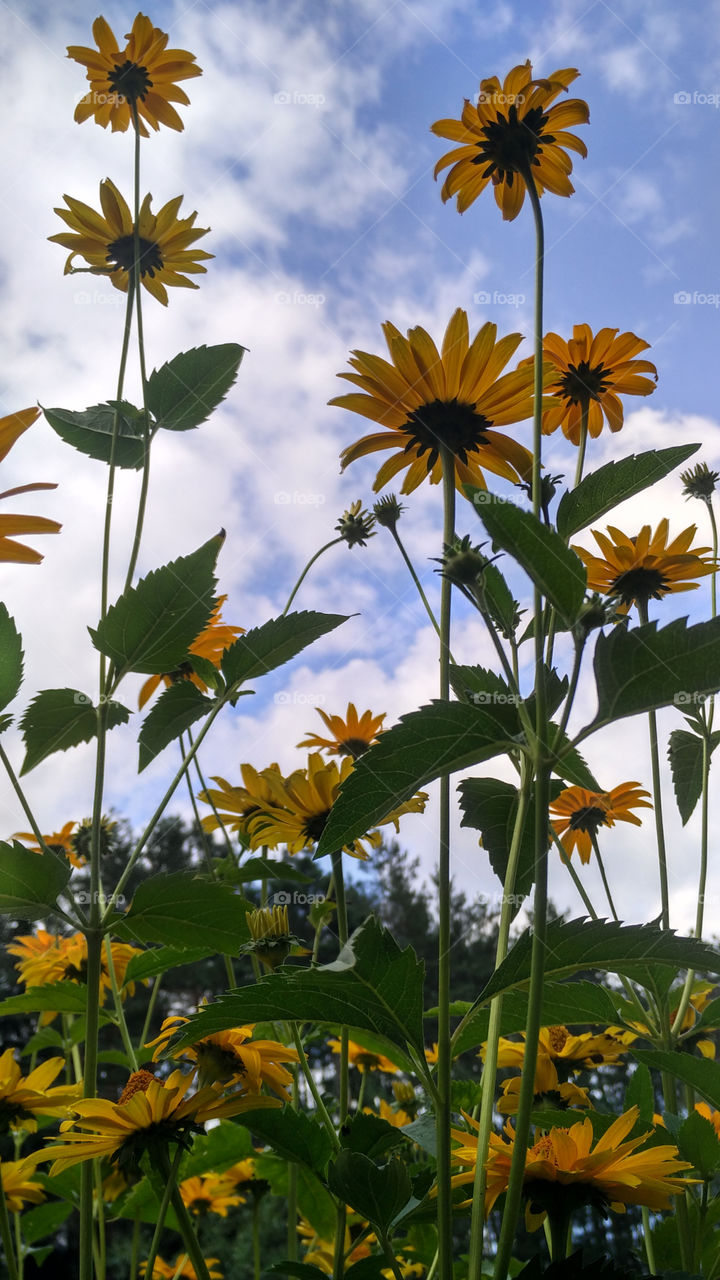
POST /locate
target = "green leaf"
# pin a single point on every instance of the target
(370, 1135)
(61, 718)
(293, 1134)
(44, 1220)
(61, 997)
(175, 711)
(500, 602)
(578, 1003)
(640, 1093)
(698, 1142)
(11, 659)
(269, 869)
(161, 959)
(600, 944)
(480, 687)
(612, 484)
(183, 393)
(29, 882)
(151, 627)
(569, 764)
(556, 570)
(377, 1193)
(644, 668)
(224, 1145)
(490, 807)
(426, 744)
(685, 751)
(424, 1132)
(372, 985)
(703, 1074)
(91, 431)
(181, 907)
(275, 642)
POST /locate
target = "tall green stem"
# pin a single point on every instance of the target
(6, 1236)
(137, 276)
(582, 442)
(542, 798)
(443, 1111)
(342, 925)
(333, 542)
(657, 798)
(416, 580)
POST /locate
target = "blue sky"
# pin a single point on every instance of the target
(307, 150)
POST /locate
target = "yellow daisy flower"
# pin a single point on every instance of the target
(62, 841)
(592, 372)
(18, 1187)
(424, 398)
(210, 644)
(577, 814)
(11, 428)
(364, 1059)
(22, 1098)
(549, 1090)
(236, 804)
(210, 1193)
(181, 1269)
(647, 566)
(143, 74)
(107, 241)
(351, 736)
(566, 1051)
(510, 132)
(232, 1057)
(710, 1114)
(45, 958)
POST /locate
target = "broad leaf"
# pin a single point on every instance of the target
(600, 944)
(644, 668)
(183, 393)
(293, 1134)
(61, 718)
(698, 1142)
(576, 1003)
(151, 627)
(490, 806)
(372, 985)
(11, 659)
(268, 869)
(222, 1146)
(175, 711)
(160, 960)
(640, 1093)
(275, 642)
(569, 764)
(30, 882)
(91, 431)
(427, 744)
(702, 1074)
(370, 1135)
(612, 484)
(685, 751)
(181, 908)
(377, 1193)
(500, 602)
(44, 1220)
(61, 997)
(556, 570)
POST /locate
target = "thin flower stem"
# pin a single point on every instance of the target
(119, 1011)
(416, 580)
(576, 880)
(647, 1240)
(92, 1027)
(603, 877)
(542, 798)
(333, 543)
(229, 971)
(305, 1065)
(137, 276)
(6, 1236)
(187, 1229)
(700, 909)
(256, 1238)
(164, 1206)
(204, 785)
(582, 443)
(390, 1255)
(101, 1238)
(135, 1248)
(443, 1113)
(292, 1196)
(19, 1246)
(15, 784)
(577, 662)
(713, 577)
(363, 1086)
(342, 926)
(657, 798)
(477, 1222)
(149, 1011)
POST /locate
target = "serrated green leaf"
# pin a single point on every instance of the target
(175, 908)
(176, 710)
(578, 1003)
(58, 719)
(427, 744)
(160, 960)
(183, 393)
(29, 882)
(314, 1200)
(490, 806)
(275, 642)
(647, 667)
(640, 1093)
(703, 1074)
(269, 869)
(685, 751)
(151, 627)
(500, 602)
(612, 484)
(90, 431)
(698, 1142)
(372, 985)
(600, 944)
(378, 1193)
(293, 1134)
(569, 764)
(556, 570)
(11, 659)
(62, 997)
(44, 1220)
(370, 1135)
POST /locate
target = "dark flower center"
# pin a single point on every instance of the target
(315, 825)
(121, 253)
(353, 747)
(216, 1063)
(560, 1199)
(640, 584)
(448, 422)
(511, 144)
(10, 1113)
(584, 382)
(588, 819)
(130, 81)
